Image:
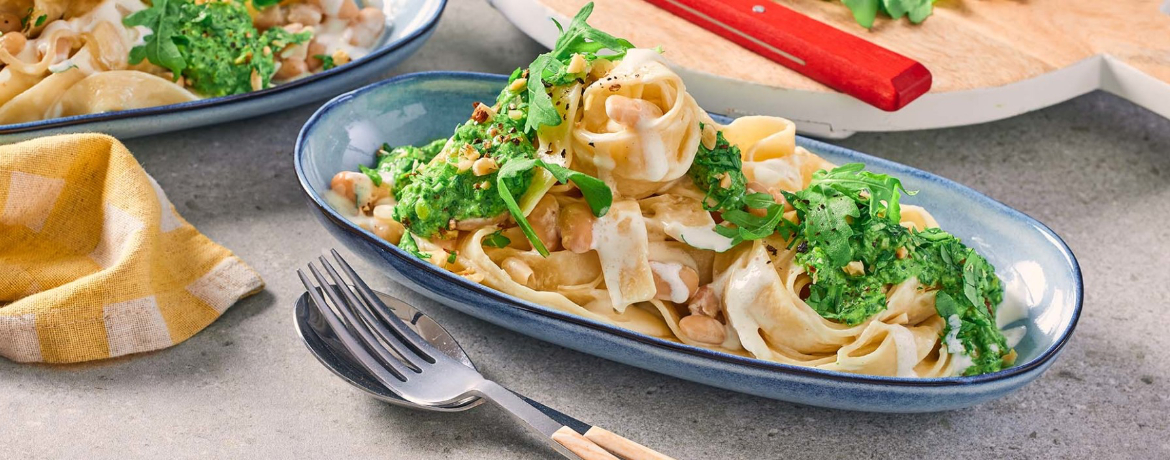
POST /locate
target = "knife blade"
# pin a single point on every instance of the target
(612, 443)
(558, 416)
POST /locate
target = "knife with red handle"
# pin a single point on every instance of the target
(851, 65)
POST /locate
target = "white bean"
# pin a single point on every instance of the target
(703, 329)
(367, 27)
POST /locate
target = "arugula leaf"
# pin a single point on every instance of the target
(881, 191)
(750, 226)
(946, 305)
(967, 287)
(497, 240)
(980, 285)
(511, 169)
(921, 11)
(831, 206)
(541, 111)
(865, 11)
(596, 193)
(159, 47)
(828, 225)
(261, 4)
(848, 214)
(551, 68)
(758, 200)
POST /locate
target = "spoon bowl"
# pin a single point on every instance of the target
(324, 344)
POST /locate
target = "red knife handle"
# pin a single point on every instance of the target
(875, 75)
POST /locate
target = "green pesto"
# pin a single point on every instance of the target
(399, 164)
(968, 288)
(225, 29)
(710, 167)
(848, 214)
(437, 192)
(853, 299)
(213, 45)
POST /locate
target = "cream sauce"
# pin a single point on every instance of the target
(351, 212)
(955, 347)
(641, 116)
(1015, 335)
(622, 246)
(1012, 309)
(670, 273)
(741, 289)
(774, 173)
(698, 237)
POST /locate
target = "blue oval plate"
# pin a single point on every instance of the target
(412, 23)
(1036, 266)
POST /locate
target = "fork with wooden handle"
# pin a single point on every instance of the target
(412, 368)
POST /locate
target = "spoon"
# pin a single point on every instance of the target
(325, 345)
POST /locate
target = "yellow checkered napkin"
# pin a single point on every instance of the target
(95, 262)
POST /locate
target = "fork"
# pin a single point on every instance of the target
(412, 368)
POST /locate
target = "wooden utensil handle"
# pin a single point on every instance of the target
(601, 444)
(623, 447)
(839, 60)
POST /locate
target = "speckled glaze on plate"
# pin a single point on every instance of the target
(1037, 268)
(411, 23)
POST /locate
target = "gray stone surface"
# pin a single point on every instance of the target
(1096, 169)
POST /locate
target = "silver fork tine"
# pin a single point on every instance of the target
(386, 376)
(355, 325)
(405, 334)
(372, 324)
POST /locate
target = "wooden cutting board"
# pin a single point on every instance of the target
(990, 59)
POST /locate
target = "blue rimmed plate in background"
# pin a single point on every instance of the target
(410, 24)
(1038, 269)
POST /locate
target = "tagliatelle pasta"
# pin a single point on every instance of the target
(64, 58)
(117, 90)
(638, 127)
(595, 185)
